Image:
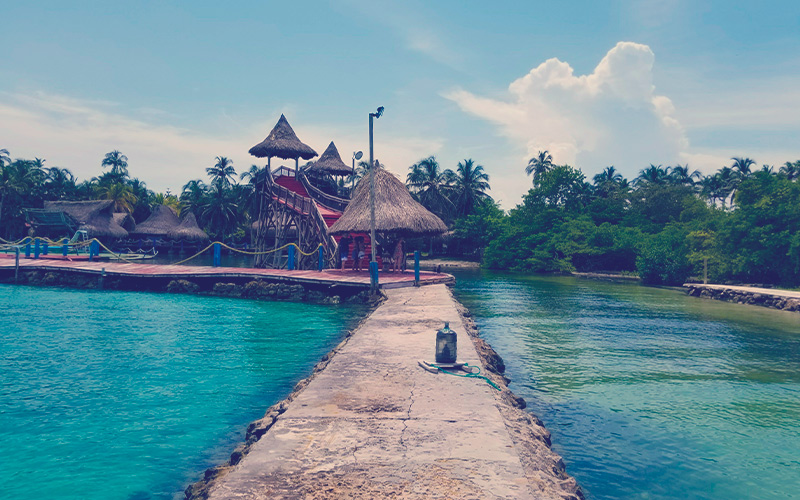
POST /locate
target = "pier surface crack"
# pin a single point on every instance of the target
(405, 421)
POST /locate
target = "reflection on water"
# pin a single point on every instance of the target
(649, 393)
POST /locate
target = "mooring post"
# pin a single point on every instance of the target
(373, 274)
(102, 278)
(416, 267)
(94, 250)
(321, 262)
(64, 247)
(28, 250)
(290, 262)
(36, 249)
(16, 264)
(45, 248)
(217, 254)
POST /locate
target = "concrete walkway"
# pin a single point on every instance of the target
(373, 424)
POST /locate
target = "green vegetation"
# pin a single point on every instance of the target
(221, 206)
(665, 225)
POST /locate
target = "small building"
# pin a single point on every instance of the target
(62, 218)
(163, 220)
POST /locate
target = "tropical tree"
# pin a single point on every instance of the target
(192, 195)
(790, 170)
(250, 175)
(654, 174)
(470, 187)
(683, 177)
(59, 183)
(219, 210)
(539, 164)
(5, 159)
(222, 173)
(432, 186)
(121, 194)
(742, 166)
(118, 163)
(167, 199)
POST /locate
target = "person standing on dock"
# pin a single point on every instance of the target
(357, 253)
(399, 256)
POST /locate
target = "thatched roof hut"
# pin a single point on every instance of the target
(125, 221)
(395, 210)
(188, 230)
(160, 223)
(331, 162)
(95, 216)
(283, 143)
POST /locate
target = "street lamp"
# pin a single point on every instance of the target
(356, 156)
(373, 265)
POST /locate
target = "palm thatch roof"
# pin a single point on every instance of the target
(395, 210)
(283, 143)
(125, 221)
(96, 217)
(331, 162)
(188, 230)
(161, 221)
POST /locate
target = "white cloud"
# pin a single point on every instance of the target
(612, 116)
(75, 134)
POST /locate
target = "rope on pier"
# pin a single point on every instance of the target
(476, 374)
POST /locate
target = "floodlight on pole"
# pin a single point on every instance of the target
(373, 262)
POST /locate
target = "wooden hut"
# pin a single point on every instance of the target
(330, 163)
(396, 212)
(96, 217)
(163, 220)
(125, 221)
(283, 143)
(188, 230)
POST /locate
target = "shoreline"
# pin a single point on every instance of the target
(783, 300)
(542, 467)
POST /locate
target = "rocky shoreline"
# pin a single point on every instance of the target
(542, 466)
(765, 297)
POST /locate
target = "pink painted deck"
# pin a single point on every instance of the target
(327, 276)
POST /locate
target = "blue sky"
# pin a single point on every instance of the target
(173, 84)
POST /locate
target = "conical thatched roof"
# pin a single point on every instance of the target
(395, 210)
(188, 230)
(161, 221)
(125, 221)
(283, 143)
(331, 163)
(95, 217)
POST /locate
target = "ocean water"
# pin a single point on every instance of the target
(648, 393)
(120, 395)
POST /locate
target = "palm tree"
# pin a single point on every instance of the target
(681, 176)
(5, 159)
(251, 174)
(219, 210)
(742, 166)
(471, 184)
(432, 186)
(167, 199)
(118, 163)
(60, 183)
(18, 178)
(791, 170)
(654, 174)
(121, 194)
(222, 172)
(538, 165)
(192, 195)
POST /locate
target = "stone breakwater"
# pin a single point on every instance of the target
(370, 423)
(766, 297)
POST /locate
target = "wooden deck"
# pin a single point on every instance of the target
(124, 269)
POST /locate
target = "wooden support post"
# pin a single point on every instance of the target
(217, 254)
(64, 247)
(373, 275)
(321, 263)
(28, 250)
(416, 267)
(290, 263)
(36, 249)
(45, 248)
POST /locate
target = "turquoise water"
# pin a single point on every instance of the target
(648, 393)
(116, 395)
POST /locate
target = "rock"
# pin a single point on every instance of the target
(182, 286)
(227, 289)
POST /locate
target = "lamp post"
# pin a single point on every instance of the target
(373, 265)
(356, 156)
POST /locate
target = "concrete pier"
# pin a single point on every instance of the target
(373, 424)
(785, 300)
